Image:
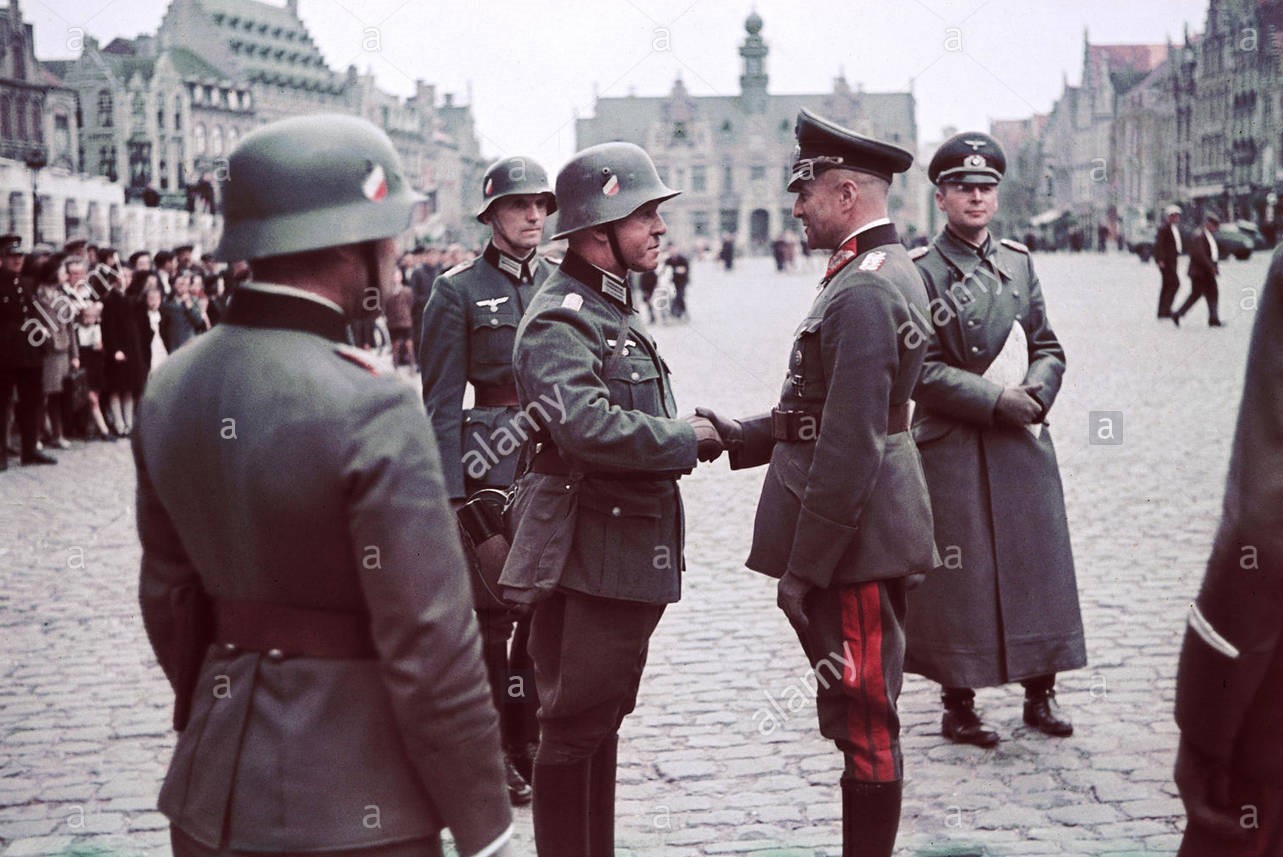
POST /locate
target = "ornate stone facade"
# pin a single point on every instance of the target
(730, 155)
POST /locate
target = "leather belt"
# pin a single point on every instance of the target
(495, 396)
(548, 460)
(803, 426)
(279, 630)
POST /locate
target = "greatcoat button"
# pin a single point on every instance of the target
(616, 511)
(230, 648)
(494, 322)
(635, 376)
(975, 349)
(275, 654)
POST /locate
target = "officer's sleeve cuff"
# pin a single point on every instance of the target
(494, 847)
(818, 546)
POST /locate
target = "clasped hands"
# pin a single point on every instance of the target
(713, 434)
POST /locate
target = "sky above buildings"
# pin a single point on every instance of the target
(529, 66)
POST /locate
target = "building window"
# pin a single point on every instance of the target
(107, 162)
(37, 123)
(6, 123)
(178, 113)
(679, 131)
(139, 164)
(728, 179)
(699, 223)
(20, 108)
(699, 178)
(139, 109)
(160, 116)
(198, 138)
(163, 171)
(216, 141)
(104, 109)
(757, 173)
(730, 220)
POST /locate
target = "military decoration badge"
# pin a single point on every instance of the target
(873, 261)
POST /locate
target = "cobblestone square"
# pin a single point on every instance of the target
(723, 755)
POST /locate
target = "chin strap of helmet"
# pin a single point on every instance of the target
(614, 245)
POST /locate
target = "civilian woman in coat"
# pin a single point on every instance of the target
(59, 310)
(123, 369)
(152, 324)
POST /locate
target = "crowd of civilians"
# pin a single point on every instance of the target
(108, 322)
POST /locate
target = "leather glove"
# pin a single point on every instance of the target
(710, 442)
(1017, 405)
(732, 431)
(1205, 789)
(791, 597)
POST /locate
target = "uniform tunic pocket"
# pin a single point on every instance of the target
(493, 335)
(635, 385)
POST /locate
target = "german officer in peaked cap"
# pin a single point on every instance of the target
(844, 519)
(293, 514)
(608, 434)
(1006, 607)
(469, 325)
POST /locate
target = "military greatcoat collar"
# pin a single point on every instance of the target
(612, 287)
(284, 308)
(966, 257)
(520, 271)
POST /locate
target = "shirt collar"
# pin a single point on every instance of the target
(270, 305)
(291, 291)
(597, 279)
(520, 271)
(966, 257)
(881, 221)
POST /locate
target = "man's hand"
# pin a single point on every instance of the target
(913, 581)
(710, 442)
(1017, 405)
(1205, 789)
(119, 356)
(732, 431)
(791, 598)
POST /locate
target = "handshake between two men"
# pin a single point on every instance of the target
(715, 434)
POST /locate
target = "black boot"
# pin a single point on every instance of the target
(561, 809)
(519, 791)
(601, 800)
(1042, 713)
(960, 723)
(870, 818)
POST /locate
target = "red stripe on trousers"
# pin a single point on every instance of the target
(867, 715)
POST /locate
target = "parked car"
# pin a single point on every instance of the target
(1140, 239)
(1233, 240)
(1258, 240)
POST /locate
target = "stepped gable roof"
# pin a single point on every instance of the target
(271, 44)
(1127, 65)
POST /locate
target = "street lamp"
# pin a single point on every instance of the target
(35, 162)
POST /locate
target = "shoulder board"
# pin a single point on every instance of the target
(1015, 245)
(357, 357)
(460, 268)
(919, 252)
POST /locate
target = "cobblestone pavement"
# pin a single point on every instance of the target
(723, 755)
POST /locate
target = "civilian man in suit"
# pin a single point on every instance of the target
(1168, 245)
(844, 518)
(1204, 266)
(342, 709)
(1229, 688)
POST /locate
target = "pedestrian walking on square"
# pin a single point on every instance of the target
(302, 582)
(1004, 606)
(844, 519)
(1229, 686)
(608, 444)
(1204, 267)
(1168, 245)
(469, 325)
(680, 267)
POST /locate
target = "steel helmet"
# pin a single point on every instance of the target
(309, 182)
(605, 183)
(513, 177)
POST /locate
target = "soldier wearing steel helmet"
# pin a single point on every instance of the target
(468, 329)
(302, 583)
(1005, 608)
(597, 545)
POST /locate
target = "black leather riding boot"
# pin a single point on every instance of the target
(601, 799)
(561, 809)
(870, 817)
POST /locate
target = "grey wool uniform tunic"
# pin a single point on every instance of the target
(1004, 604)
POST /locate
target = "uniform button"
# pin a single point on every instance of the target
(538, 448)
(230, 648)
(975, 349)
(634, 376)
(275, 654)
(1017, 316)
(616, 511)
(1015, 294)
(972, 323)
(797, 356)
(494, 322)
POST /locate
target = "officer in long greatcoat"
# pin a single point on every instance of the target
(1229, 689)
(608, 433)
(342, 708)
(1004, 605)
(844, 519)
(22, 338)
(469, 326)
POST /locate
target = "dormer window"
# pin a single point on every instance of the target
(679, 131)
